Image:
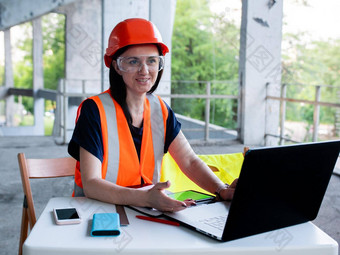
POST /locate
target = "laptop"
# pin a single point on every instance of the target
(277, 187)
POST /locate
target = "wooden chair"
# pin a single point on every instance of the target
(38, 168)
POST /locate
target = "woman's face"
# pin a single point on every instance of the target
(137, 66)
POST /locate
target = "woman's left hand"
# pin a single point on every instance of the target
(159, 200)
(228, 193)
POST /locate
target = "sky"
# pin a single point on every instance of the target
(320, 18)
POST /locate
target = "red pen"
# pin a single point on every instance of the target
(169, 222)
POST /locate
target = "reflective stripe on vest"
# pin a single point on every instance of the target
(120, 160)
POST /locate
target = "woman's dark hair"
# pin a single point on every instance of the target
(118, 87)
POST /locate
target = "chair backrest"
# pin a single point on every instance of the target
(39, 168)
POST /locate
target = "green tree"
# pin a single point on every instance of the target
(23, 68)
(311, 63)
(53, 26)
(204, 48)
(2, 76)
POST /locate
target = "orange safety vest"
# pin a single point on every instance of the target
(120, 163)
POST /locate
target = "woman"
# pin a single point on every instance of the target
(122, 134)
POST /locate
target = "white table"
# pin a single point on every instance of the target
(145, 237)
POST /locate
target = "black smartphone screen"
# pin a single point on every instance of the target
(67, 214)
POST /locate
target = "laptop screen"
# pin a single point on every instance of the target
(279, 187)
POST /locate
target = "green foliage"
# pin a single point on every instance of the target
(2, 73)
(54, 52)
(23, 68)
(204, 48)
(48, 124)
(192, 40)
(311, 63)
(27, 120)
(54, 49)
(2, 61)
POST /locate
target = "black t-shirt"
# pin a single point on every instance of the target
(88, 134)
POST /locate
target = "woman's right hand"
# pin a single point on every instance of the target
(156, 198)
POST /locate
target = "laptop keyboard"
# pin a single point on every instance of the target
(215, 222)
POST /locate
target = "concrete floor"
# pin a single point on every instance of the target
(11, 194)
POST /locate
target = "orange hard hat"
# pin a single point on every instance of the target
(131, 32)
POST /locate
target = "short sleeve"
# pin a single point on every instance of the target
(87, 132)
(173, 126)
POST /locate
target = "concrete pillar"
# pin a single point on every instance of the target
(83, 40)
(83, 53)
(162, 13)
(9, 82)
(260, 70)
(38, 77)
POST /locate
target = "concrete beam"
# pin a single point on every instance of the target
(47, 94)
(20, 92)
(15, 12)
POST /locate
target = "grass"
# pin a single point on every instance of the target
(28, 120)
(48, 125)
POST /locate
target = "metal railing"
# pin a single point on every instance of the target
(62, 104)
(208, 96)
(62, 96)
(316, 104)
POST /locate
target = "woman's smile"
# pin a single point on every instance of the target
(140, 74)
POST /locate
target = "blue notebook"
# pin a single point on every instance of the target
(105, 224)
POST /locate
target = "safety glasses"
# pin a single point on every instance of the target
(132, 64)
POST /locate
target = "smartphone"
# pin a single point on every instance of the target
(64, 216)
(194, 195)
